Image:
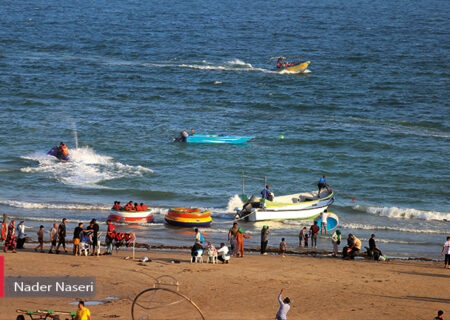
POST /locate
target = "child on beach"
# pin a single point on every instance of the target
(53, 237)
(301, 236)
(283, 247)
(40, 235)
(306, 240)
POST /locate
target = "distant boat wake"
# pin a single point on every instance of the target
(86, 168)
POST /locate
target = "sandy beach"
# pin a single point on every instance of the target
(247, 288)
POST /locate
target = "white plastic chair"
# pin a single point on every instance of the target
(199, 256)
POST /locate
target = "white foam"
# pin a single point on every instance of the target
(86, 168)
(233, 203)
(58, 206)
(371, 227)
(231, 65)
(405, 213)
(238, 62)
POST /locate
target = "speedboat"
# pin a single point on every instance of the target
(298, 206)
(217, 138)
(296, 67)
(57, 154)
(131, 216)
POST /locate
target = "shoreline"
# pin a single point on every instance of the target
(254, 250)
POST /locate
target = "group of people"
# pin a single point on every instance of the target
(85, 238)
(129, 206)
(222, 254)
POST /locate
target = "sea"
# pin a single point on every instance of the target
(118, 80)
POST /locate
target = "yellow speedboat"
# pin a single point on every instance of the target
(283, 65)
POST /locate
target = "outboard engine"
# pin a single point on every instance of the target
(182, 137)
(248, 207)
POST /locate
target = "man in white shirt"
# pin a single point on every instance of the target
(223, 253)
(53, 237)
(323, 224)
(446, 252)
(284, 307)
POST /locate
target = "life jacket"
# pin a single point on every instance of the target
(116, 207)
(128, 207)
(144, 207)
(122, 238)
(279, 65)
(110, 232)
(64, 150)
(138, 208)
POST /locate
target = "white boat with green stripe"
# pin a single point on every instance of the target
(297, 206)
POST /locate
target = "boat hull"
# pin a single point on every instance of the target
(131, 216)
(217, 139)
(300, 206)
(297, 68)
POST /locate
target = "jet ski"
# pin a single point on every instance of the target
(56, 152)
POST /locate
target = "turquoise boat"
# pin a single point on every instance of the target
(217, 138)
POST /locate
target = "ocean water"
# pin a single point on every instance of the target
(117, 80)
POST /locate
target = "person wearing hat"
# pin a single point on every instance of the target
(336, 241)
(240, 242)
(264, 239)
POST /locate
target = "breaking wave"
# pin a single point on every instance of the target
(405, 213)
(86, 168)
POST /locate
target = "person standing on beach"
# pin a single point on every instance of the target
(21, 235)
(323, 223)
(83, 313)
(240, 241)
(446, 253)
(232, 238)
(93, 227)
(198, 236)
(53, 237)
(283, 247)
(4, 226)
(284, 307)
(322, 184)
(76, 238)
(40, 235)
(336, 241)
(314, 230)
(10, 242)
(264, 239)
(301, 236)
(109, 237)
(62, 236)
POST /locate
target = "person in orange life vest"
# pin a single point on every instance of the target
(240, 241)
(116, 206)
(144, 207)
(129, 206)
(63, 149)
(137, 207)
(279, 62)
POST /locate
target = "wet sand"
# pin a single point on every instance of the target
(247, 288)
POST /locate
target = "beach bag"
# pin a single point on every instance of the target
(202, 240)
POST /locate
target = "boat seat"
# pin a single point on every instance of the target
(295, 200)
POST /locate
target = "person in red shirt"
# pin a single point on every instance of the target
(129, 206)
(144, 207)
(137, 207)
(314, 230)
(109, 237)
